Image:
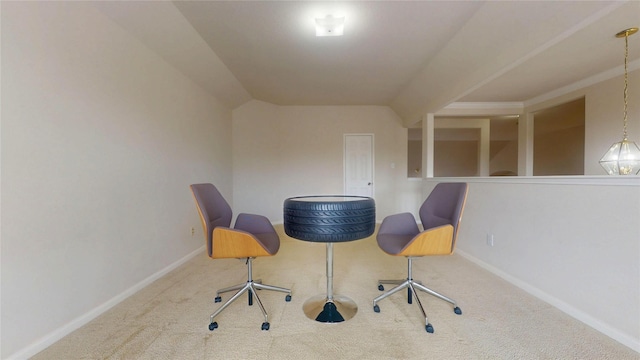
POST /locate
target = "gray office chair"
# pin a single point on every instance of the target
(252, 236)
(399, 235)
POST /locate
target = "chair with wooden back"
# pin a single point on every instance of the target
(252, 236)
(399, 235)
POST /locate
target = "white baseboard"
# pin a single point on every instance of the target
(78, 322)
(598, 325)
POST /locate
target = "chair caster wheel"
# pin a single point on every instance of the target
(457, 310)
(213, 326)
(429, 328)
(287, 298)
(265, 326)
(380, 287)
(218, 299)
(376, 308)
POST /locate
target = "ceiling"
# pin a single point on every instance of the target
(414, 56)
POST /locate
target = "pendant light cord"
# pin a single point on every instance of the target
(626, 84)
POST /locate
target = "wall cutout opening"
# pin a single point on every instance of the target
(558, 140)
(504, 146)
(457, 150)
(414, 153)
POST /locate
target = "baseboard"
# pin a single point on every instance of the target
(78, 322)
(596, 324)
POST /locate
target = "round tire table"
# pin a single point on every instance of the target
(329, 219)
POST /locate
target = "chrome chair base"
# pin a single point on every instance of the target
(411, 286)
(322, 309)
(234, 288)
(249, 287)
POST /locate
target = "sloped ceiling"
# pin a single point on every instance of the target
(415, 57)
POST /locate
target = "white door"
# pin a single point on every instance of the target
(358, 164)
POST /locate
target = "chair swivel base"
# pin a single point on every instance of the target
(322, 309)
(234, 288)
(250, 287)
(411, 287)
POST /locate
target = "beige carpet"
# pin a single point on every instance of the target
(169, 318)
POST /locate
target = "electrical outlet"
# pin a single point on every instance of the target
(490, 240)
(193, 231)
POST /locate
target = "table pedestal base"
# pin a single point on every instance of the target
(321, 309)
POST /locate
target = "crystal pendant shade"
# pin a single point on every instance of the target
(623, 158)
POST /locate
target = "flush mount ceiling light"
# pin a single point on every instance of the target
(623, 158)
(330, 26)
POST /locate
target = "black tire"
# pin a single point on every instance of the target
(330, 221)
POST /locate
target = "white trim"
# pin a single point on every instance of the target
(82, 320)
(607, 330)
(516, 105)
(481, 109)
(608, 180)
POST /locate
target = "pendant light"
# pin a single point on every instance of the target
(623, 158)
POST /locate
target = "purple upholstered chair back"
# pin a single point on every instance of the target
(214, 210)
(444, 206)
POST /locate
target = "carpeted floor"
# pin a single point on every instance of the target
(169, 318)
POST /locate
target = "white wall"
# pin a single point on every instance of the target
(100, 140)
(256, 160)
(284, 151)
(573, 242)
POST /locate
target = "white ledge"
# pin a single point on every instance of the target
(552, 180)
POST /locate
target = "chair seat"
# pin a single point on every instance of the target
(393, 244)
